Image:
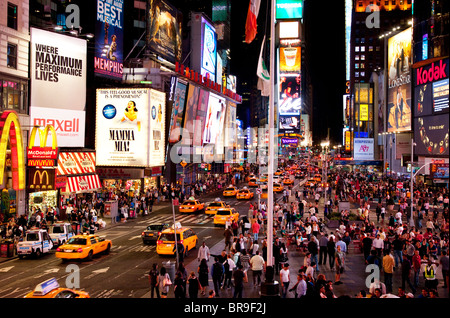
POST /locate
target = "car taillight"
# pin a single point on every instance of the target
(80, 250)
(159, 233)
(159, 242)
(181, 241)
(58, 249)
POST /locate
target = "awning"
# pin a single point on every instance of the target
(85, 183)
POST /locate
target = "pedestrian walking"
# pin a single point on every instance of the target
(154, 282)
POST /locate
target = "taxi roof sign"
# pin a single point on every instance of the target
(45, 287)
(177, 225)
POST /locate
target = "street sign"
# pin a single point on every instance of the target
(258, 191)
(400, 185)
(175, 202)
(183, 163)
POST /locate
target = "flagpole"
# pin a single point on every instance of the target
(271, 140)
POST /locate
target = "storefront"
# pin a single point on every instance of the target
(76, 177)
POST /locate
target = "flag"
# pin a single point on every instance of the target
(263, 74)
(250, 24)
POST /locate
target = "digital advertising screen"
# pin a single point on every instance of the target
(440, 96)
(209, 51)
(200, 117)
(289, 124)
(190, 113)
(289, 9)
(108, 57)
(289, 101)
(176, 120)
(215, 119)
(431, 135)
(399, 82)
(164, 30)
(290, 60)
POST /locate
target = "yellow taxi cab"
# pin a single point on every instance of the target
(214, 206)
(250, 177)
(310, 183)
(252, 182)
(230, 191)
(51, 289)
(277, 187)
(165, 245)
(223, 215)
(83, 246)
(278, 172)
(288, 181)
(317, 177)
(244, 194)
(264, 178)
(191, 206)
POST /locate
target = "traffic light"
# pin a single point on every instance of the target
(387, 166)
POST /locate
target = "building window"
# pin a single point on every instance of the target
(362, 65)
(370, 48)
(11, 58)
(12, 16)
(363, 74)
(356, 48)
(363, 57)
(356, 74)
(356, 57)
(363, 48)
(13, 95)
(356, 65)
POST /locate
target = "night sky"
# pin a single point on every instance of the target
(324, 25)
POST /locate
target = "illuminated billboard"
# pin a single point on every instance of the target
(176, 119)
(289, 9)
(209, 51)
(164, 27)
(58, 65)
(399, 82)
(130, 127)
(108, 56)
(290, 60)
(215, 118)
(203, 44)
(196, 109)
(289, 101)
(431, 135)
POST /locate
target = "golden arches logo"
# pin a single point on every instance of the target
(43, 134)
(41, 185)
(10, 130)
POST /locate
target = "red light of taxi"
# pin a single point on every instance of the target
(58, 249)
(80, 250)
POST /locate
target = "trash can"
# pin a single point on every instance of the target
(10, 248)
(3, 249)
(170, 269)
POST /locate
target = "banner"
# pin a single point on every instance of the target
(363, 148)
(108, 58)
(399, 82)
(164, 30)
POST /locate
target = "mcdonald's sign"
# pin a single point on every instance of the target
(42, 156)
(41, 179)
(10, 130)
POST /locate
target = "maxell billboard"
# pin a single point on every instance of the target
(58, 85)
